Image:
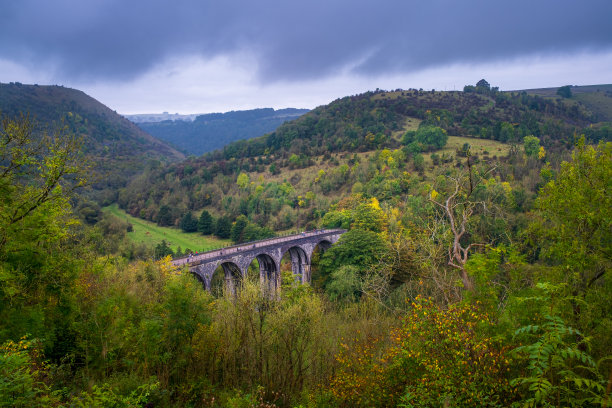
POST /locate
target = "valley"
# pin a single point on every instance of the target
(289, 204)
(208, 132)
(473, 238)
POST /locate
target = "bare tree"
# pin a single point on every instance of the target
(457, 210)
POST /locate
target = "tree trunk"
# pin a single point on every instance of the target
(467, 282)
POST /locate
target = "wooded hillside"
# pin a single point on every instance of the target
(116, 148)
(343, 140)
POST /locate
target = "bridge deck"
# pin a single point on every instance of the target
(236, 249)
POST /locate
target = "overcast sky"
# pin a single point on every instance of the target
(198, 56)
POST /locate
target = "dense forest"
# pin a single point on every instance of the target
(475, 270)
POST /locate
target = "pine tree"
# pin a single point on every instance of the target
(163, 249)
(238, 229)
(189, 223)
(223, 227)
(205, 223)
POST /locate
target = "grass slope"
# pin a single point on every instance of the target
(478, 146)
(152, 234)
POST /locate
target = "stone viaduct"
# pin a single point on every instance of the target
(235, 260)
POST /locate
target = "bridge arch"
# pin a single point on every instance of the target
(202, 279)
(269, 271)
(300, 262)
(227, 276)
(323, 245)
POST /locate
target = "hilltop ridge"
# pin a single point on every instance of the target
(116, 147)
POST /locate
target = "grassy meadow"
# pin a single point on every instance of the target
(150, 233)
(478, 146)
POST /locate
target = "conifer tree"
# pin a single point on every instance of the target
(205, 223)
(223, 227)
(189, 223)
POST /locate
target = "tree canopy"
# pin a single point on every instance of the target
(565, 91)
(431, 136)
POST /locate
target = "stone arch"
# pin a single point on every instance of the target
(323, 244)
(201, 279)
(269, 272)
(234, 262)
(300, 263)
(227, 275)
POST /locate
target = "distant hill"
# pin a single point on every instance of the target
(117, 148)
(215, 130)
(373, 120)
(160, 117)
(597, 98)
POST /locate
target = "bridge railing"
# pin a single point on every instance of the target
(249, 245)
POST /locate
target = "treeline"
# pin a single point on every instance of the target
(470, 288)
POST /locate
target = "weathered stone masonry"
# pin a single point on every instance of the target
(235, 260)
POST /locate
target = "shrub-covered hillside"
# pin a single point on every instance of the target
(477, 280)
(364, 143)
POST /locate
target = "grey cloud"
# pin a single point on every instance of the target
(118, 39)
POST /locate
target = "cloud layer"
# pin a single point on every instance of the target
(289, 40)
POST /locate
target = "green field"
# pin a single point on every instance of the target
(478, 146)
(152, 234)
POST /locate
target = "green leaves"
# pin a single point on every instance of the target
(38, 173)
(576, 211)
(560, 372)
(431, 136)
(531, 144)
(360, 248)
(104, 396)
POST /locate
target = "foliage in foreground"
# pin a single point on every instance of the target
(103, 331)
(560, 371)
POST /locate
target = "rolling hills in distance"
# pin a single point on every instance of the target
(160, 117)
(342, 133)
(198, 134)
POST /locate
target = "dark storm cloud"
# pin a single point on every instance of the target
(294, 40)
